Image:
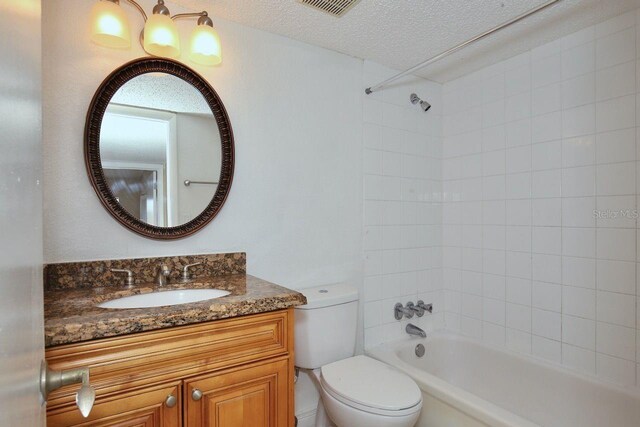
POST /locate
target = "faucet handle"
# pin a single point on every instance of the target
(129, 280)
(186, 276)
(425, 307)
(399, 311)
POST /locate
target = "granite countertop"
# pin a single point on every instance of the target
(72, 315)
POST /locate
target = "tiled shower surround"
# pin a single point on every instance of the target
(402, 206)
(540, 202)
(522, 225)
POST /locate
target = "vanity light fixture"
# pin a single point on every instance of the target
(110, 28)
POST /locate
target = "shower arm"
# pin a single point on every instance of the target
(448, 52)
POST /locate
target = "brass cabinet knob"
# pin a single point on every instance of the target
(196, 394)
(171, 401)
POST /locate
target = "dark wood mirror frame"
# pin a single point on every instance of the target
(98, 106)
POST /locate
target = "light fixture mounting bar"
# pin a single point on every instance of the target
(189, 15)
(137, 6)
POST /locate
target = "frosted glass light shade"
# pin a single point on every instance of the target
(109, 25)
(204, 46)
(161, 36)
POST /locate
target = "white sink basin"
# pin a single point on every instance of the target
(159, 299)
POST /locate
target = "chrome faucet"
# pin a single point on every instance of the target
(414, 330)
(129, 281)
(162, 274)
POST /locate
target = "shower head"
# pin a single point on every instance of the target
(415, 99)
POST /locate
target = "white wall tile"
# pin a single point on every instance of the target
(579, 332)
(579, 242)
(616, 244)
(615, 340)
(616, 113)
(547, 349)
(546, 183)
(518, 291)
(616, 48)
(547, 240)
(547, 99)
(546, 71)
(617, 276)
(518, 238)
(578, 181)
(579, 91)
(580, 272)
(616, 308)
(547, 296)
(547, 268)
(546, 212)
(578, 211)
(616, 81)
(579, 359)
(616, 179)
(578, 151)
(548, 127)
(546, 324)
(518, 317)
(546, 155)
(579, 60)
(616, 146)
(517, 80)
(518, 341)
(579, 302)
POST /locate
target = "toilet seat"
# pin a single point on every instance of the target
(371, 386)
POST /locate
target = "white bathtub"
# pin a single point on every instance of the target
(466, 383)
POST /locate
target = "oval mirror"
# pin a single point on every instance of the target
(159, 148)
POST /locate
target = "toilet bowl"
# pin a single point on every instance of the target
(355, 391)
(363, 392)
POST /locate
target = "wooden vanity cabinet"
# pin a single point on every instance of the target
(226, 373)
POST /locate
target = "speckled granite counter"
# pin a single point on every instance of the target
(71, 315)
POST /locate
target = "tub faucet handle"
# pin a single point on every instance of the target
(425, 307)
(399, 311)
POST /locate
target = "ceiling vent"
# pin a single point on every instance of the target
(332, 7)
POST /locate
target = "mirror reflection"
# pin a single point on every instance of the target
(160, 149)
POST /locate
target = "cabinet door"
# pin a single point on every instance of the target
(149, 407)
(250, 396)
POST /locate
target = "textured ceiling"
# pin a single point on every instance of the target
(402, 33)
(159, 91)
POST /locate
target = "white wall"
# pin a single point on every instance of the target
(532, 146)
(21, 338)
(296, 202)
(402, 208)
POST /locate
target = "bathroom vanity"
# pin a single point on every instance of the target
(221, 362)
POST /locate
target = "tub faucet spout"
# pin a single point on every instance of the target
(414, 330)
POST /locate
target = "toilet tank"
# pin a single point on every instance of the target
(325, 328)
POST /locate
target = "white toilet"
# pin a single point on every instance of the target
(355, 391)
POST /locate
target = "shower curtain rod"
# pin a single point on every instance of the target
(448, 52)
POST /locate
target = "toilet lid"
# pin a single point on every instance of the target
(371, 383)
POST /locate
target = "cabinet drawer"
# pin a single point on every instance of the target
(143, 408)
(120, 363)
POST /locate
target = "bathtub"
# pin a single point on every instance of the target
(467, 384)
